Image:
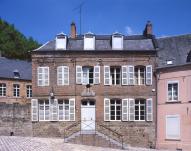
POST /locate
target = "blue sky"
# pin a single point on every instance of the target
(43, 19)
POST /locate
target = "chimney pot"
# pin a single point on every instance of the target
(148, 29)
(73, 30)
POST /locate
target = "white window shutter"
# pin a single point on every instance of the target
(59, 75)
(34, 109)
(46, 76)
(131, 109)
(172, 126)
(149, 109)
(107, 75)
(125, 109)
(149, 75)
(40, 76)
(124, 75)
(131, 80)
(54, 110)
(72, 109)
(66, 75)
(106, 109)
(96, 74)
(78, 74)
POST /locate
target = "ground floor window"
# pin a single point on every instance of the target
(63, 110)
(115, 109)
(44, 110)
(140, 110)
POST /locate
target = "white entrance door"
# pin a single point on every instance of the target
(88, 115)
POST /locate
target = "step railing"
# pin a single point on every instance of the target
(104, 129)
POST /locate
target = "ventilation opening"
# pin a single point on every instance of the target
(16, 73)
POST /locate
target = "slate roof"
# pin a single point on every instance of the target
(103, 43)
(175, 48)
(8, 66)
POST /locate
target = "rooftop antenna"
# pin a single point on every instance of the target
(79, 7)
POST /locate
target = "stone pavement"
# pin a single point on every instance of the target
(16, 143)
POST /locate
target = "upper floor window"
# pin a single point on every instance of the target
(87, 75)
(139, 75)
(117, 41)
(63, 75)
(2, 89)
(43, 76)
(61, 41)
(115, 75)
(29, 91)
(16, 90)
(173, 91)
(89, 41)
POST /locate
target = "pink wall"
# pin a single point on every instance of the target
(183, 109)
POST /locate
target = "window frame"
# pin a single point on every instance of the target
(29, 90)
(63, 75)
(16, 90)
(3, 89)
(115, 105)
(139, 106)
(173, 82)
(138, 78)
(44, 110)
(88, 75)
(43, 76)
(115, 75)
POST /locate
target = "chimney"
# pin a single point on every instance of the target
(73, 30)
(148, 29)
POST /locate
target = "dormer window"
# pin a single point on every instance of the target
(89, 41)
(117, 41)
(61, 41)
(169, 62)
(16, 74)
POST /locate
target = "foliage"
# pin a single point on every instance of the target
(14, 44)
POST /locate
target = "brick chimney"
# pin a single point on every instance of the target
(148, 31)
(73, 30)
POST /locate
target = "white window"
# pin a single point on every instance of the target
(112, 75)
(62, 75)
(89, 41)
(87, 75)
(125, 109)
(43, 76)
(140, 110)
(139, 75)
(117, 41)
(115, 109)
(29, 91)
(172, 127)
(169, 62)
(16, 90)
(54, 109)
(131, 80)
(61, 41)
(172, 91)
(44, 110)
(149, 75)
(2, 89)
(124, 75)
(149, 104)
(66, 110)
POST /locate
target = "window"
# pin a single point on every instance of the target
(61, 41)
(29, 91)
(89, 41)
(169, 62)
(43, 76)
(115, 75)
(139, 75)
(140, 110)
(173, 127)
(44, 110)
(63, 75)
(115, 109)
(87, 76)
(16, 74)
(16, 90)
(172, 91)
(66, 110)
(117, 41)
(2, 89)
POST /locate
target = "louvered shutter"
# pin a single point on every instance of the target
(59, 75)
(96, 74)
(107, 75)
(149, 111)
(66, 75)
(34, 109)
(131, 75)
(40, 76)
(46, 76)
(149, 75)
(72, 109)
(79, 74)
(125, 109)
(106, 109)
(54, 110)
(124, 75)
(131, 109)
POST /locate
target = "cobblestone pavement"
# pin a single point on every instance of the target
(14, 143)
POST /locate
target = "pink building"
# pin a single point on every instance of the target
(174, 94)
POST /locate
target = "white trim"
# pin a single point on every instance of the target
(79, 79)
(147, 109)
(108, 106)
(125, 108)
(108, 73)
(41, 46)
(70, 100)
(124, 75)
(34, 109)
(131, 109)
(94, 75)
(45, 81)
(61, 71)
(172, 82)
(132, 76)
(151, 75)
(179, 120)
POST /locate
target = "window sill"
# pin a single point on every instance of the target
(172, 102)
(171, 139)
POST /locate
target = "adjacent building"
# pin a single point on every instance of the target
(15, 81)
(174, 93)
(96, 84)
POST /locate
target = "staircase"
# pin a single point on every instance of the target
(103, 136)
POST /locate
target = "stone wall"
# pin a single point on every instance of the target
(15, 118)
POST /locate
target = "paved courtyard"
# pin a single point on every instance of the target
(14, 143)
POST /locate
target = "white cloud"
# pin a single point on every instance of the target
(129, 30)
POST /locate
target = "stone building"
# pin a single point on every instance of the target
(96, 85)
(15, 81)
(173, 93)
